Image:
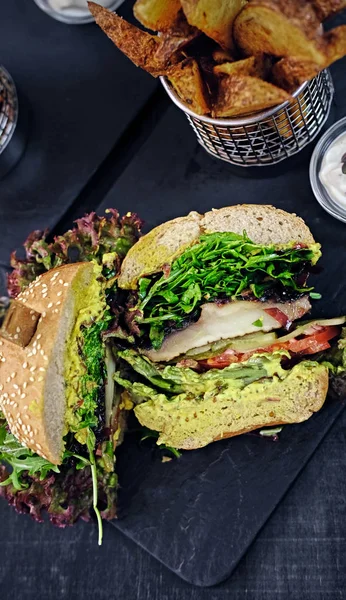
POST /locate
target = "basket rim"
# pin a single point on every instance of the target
(246, 120)
(15, 120)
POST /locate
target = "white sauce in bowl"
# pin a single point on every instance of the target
(76, 8)
(331, 175)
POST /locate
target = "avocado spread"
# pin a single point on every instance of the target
(184, 405)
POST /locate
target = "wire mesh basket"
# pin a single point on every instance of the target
(13, 124)
(268, 137)
(8, 108)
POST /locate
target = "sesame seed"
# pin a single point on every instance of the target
(56, 310)
(25, 407)
(31, 434)
(8, 379)
(20, 422)
(13, 395)
(38, 337)
(1, 387)
(65, 284)
(59, 294)
(39, 447)
(16, 387)
(42, 369)
(31, 312)
(13, 375)
(58, 303)
(50, 305)
(14, 404)
(38, 346)
(3, 359)
(18, 330)
(33, 318)
(31, 379)
(1, 343)
(45, 358)
(16, 336)
(34, 351)
(29, 354)
(61, 281)
(25, 385)
(40, 379)
(44, 314)
(34, 344)
(42, 352)
(24, 365)
(44, 295)
(32, 369)
(23, 396)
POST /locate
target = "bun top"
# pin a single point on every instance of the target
(32, 351)
(263, 225)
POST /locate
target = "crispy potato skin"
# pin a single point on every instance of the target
(217, 23)
(187, 81)
(241, 95)
(157, 15)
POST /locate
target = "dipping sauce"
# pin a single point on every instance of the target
(333, 171)
(75, 8)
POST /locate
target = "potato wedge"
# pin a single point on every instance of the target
(157, 15)
(187, 81)
(214, 18)
(297, 110)
(242, 95)
(145, 50)
(327, 8)
(280, 28)
(290, 73)
(335, 44)
(254, 66)
(221, 56)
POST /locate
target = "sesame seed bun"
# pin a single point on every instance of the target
(263, 225)
(32, 384)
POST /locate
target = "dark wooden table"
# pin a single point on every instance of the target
(103, 134)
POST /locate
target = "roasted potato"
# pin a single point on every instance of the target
(297, 113)
(157, 15)
(327, 8)
(214, 18)
(221, 56)
(280, 28)
(254, 66)
(290, 73)
(335, 44)
(147, 51)
(187, 81)
(241, 95)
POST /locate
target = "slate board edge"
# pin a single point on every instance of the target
(221, 578)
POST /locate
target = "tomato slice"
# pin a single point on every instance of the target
(316, 341)
(278, 315)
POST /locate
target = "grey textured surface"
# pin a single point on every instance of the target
(81, 93)
(300, 553)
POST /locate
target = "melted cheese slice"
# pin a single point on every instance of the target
(219, 322)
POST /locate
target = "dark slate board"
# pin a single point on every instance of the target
(199, 515)
(82, 94)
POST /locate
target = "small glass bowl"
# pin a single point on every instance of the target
(77, 17)
(321, 194)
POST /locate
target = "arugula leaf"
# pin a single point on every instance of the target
(21, 460)
(221, 265)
